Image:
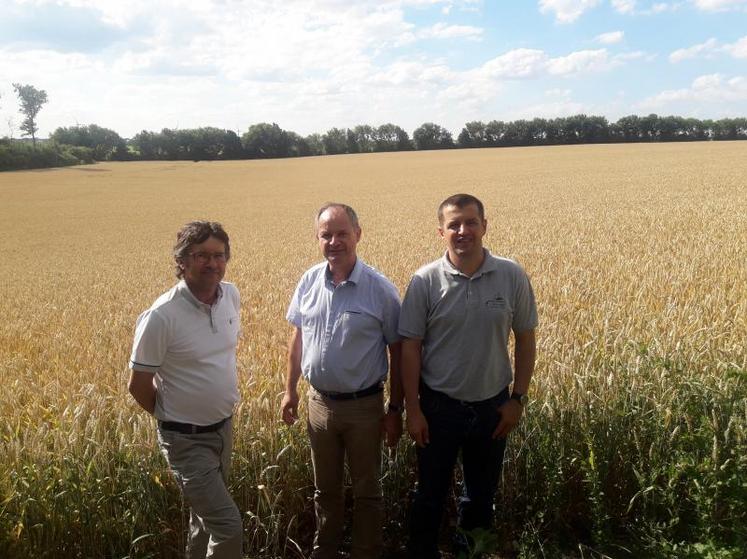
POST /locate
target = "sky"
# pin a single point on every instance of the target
(310, 65)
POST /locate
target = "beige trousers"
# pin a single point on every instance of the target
(352, 429)
(201, 464)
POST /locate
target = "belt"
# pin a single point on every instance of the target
(375, 389)
(189, 429)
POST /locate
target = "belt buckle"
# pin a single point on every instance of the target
(194, 429)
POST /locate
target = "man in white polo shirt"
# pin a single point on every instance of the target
(457, 316)
(345, 316)
(184, 373)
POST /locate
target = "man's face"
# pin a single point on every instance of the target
(463, 230)
(205, 265)
(337, 237)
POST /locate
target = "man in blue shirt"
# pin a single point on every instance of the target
(345, 316)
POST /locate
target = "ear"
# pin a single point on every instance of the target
(358, 234)
(441, 232)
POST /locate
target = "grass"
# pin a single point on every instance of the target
(633, 444)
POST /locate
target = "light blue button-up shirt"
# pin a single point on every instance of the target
(345, 327)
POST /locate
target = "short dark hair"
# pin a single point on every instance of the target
(194, 233)
(461, 201)
(348, 210)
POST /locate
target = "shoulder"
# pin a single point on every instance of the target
(429, 270)
(315, 272)
(312, 275)
(231, 292)
(378, 279)
(165, 301)
(505, 264)
(160, 311)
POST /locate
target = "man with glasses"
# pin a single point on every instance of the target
(457, 316)
(344, 315)
(183, 366)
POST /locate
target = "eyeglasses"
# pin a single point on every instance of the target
(205, 257)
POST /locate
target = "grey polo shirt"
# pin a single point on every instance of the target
(345, 328)
(465, 323)
(191, 347)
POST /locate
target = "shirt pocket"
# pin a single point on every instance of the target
(357, 325)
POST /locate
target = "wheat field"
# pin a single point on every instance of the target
(636, 435)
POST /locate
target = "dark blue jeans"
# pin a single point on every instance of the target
(455, 426)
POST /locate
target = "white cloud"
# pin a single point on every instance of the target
(610, 38)
(738, 49)
(566, 11)
(624, 6)
(580, 61)
(443, 31)
(516, 64)
(720, 5)
(710, 88)
(702, 49)
(553, 109)
(709, 49)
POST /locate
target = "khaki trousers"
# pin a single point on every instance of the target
(201, 464)
(352, 429)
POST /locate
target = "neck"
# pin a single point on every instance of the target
(468, 264)
(207, 296)
(341, 272)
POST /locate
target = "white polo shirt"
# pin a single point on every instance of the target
(345, 328)
(191, 347)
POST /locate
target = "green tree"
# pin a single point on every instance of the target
(335, 141)
(432, 136)
(32, 100)
(390, 137)
(105, 144)
(266, 140)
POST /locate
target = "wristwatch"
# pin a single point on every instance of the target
(523, 399)
(394, 408)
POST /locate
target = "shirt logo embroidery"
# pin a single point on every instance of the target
(497, 302)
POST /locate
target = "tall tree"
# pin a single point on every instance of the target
(432, 136)
(32, 100)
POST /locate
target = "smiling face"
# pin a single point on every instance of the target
(338, 237)
(204, 265)
(463, 230)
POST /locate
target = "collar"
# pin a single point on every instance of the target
(489, 264)
(184, 291)
(354, 277)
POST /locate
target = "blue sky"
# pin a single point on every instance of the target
(310, 65)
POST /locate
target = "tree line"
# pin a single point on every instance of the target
(78, 144)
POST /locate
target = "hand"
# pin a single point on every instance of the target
(289, 407)
(510, 414)
(391, 428)
(417, 426)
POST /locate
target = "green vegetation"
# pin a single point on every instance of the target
(21, 155)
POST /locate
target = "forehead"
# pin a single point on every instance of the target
(213, 244)
(334, 218)
(469, 211)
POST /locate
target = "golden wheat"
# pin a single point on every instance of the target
(637, 255)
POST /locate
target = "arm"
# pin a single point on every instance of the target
(392, 425)
(289, 405)
(524, 356)
(417, 425)
(142, 386)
